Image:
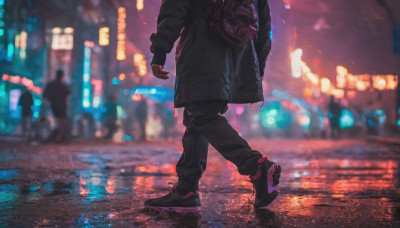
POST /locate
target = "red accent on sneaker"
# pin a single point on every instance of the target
(261, 160)
(188, 195)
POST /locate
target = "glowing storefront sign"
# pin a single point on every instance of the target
(10, 51)
(296, 63)
(379, 82)
(22, 45)
(140, 62)
(97, 92)
(14, 97)
(325, 85)
(351, 94)
(86, 86)
(391, 82)
(17, 40)
(28, 83)
(104, 37)
(2, 21)
(341, 77)
(338, 93)
(139, 5)
(62, 39)
(363, 82)
(121, 27)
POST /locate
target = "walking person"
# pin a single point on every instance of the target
(26, 102)
(215, 66)
(110, 117)
(57, 92)
(141, 114)
(334, 113)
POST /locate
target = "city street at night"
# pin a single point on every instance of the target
(199, 113)
(350, 183)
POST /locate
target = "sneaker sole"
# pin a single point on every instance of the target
(273, 173)
(181, 210)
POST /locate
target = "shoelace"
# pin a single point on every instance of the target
(254, 191)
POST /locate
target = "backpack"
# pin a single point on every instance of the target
(235, 21)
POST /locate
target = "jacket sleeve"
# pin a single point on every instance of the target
(263, 38)
(171, 19)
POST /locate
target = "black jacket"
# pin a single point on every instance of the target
(207, 67)
(57, 93)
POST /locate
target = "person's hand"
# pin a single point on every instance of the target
(159, 72)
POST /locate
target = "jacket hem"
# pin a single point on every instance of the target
(239, 99)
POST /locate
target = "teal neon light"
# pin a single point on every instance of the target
(86, 86)
(346, 119)
(10, 51)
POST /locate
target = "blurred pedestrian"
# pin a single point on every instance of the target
(214, 69)
(26, 102)
(141, 113)
(57, 92)
(167, 118)
(110, 117)
(334, 113)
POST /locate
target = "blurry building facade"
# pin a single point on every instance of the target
(85, 38)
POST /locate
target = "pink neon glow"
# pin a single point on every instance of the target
(239, 110)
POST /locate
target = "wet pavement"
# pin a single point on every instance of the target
(89, 184)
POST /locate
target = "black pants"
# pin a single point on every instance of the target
(205, 125)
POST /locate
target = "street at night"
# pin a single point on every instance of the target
(199, 113)
(324, 183)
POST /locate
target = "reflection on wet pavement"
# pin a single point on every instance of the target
(338, 184)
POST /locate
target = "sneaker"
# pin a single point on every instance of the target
(176, 202)
(266, 182)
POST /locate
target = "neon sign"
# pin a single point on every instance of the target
(121, 27)
(86, 86)
(104, 37)
(28, 83)
(63, 39)
(97, 91)
(139, 5)
(140, 62)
